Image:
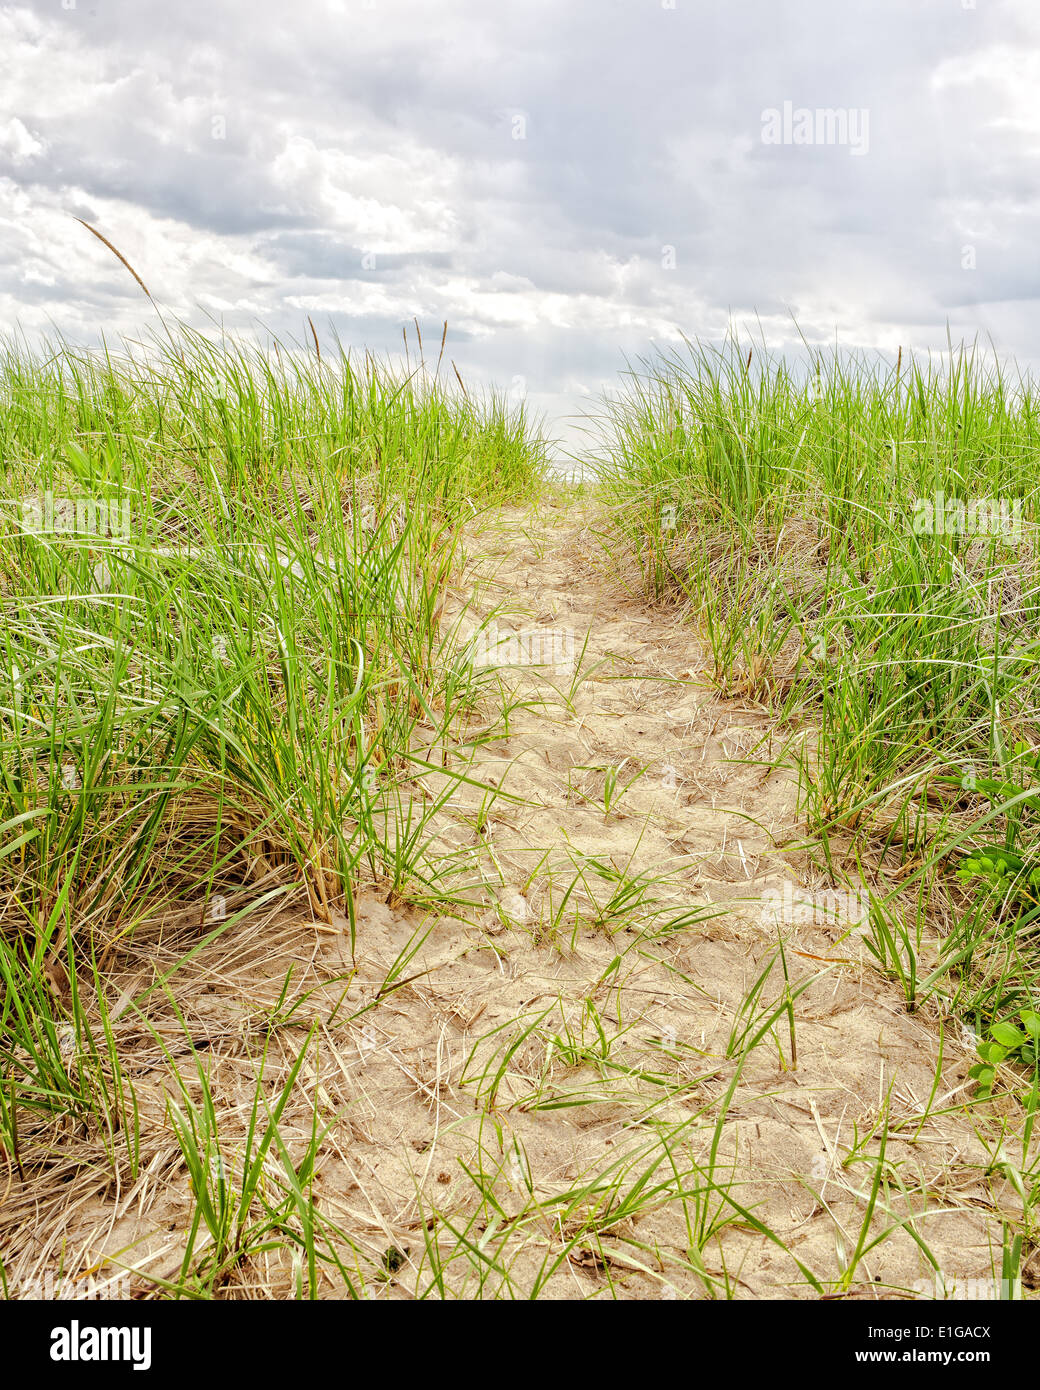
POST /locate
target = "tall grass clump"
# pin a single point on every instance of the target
(224, 660)
(857, 539)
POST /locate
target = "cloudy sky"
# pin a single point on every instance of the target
(567, 182)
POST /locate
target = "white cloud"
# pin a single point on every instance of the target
(359, 164)
(18, 143)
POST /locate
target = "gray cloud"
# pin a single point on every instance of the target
(563, 184)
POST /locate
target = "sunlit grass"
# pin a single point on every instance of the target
(223, 658)
(808, 514)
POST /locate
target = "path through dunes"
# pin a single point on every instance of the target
(655, 1000)
(584, 1083)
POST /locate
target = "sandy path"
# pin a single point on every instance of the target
(582, 1092)
(644, 1014)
